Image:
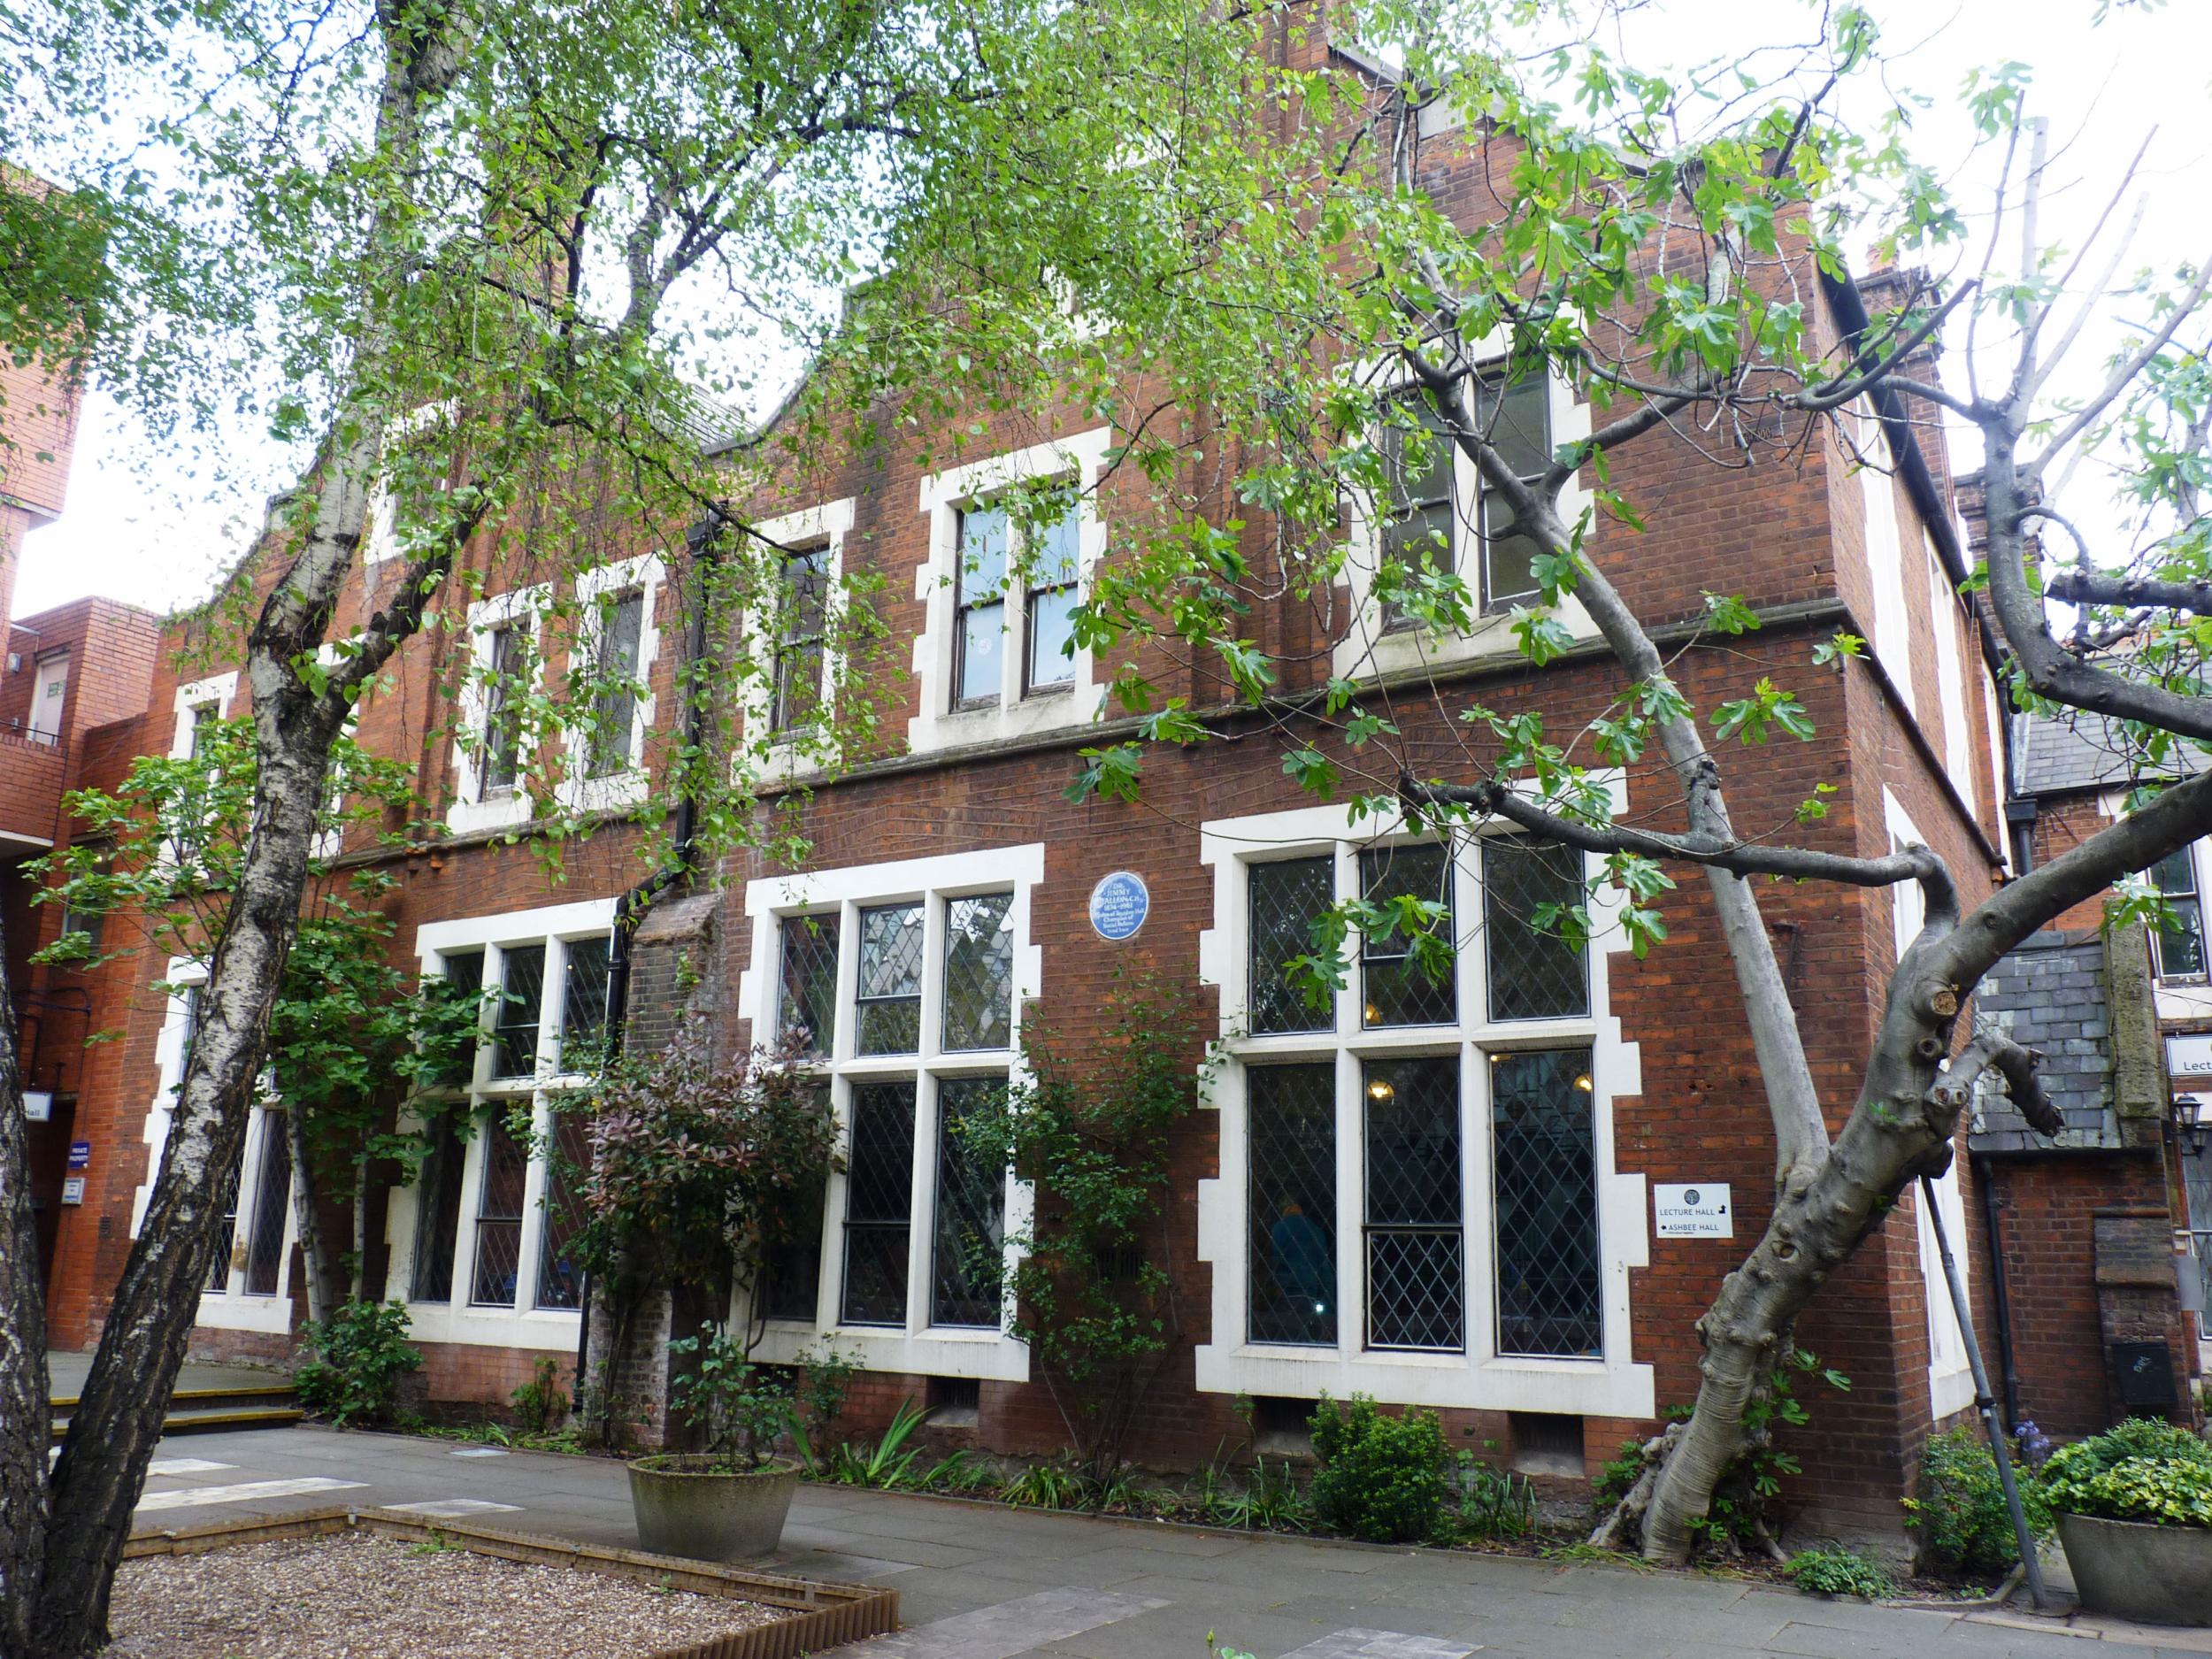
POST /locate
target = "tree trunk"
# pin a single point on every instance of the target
(358, 1275)
(314, 1252)
(23, 1379)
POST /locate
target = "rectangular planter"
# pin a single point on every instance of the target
(819, 1614)
(2146, 1574)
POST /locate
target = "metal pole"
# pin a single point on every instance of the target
(1987, 1404)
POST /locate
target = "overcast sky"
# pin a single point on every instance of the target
(134, 531)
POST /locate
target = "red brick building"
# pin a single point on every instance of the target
(1435, 1196)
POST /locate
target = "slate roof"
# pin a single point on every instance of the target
(2050, 993)
(2077, 750)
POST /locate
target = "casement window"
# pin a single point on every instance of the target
(800, 639)
(614, 713)
(1416, 1158)
(1050, 595)
(609, 682)
(1517, 416)
(257, 1193)
(413, 475)
(979, 673)
(500, 737)
(900, 989)
(1417, 517)
(494, 749)
(2181, 935)
(987, 576)
(494, 1212)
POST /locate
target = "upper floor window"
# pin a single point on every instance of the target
(1051, 599)
(414, 471)
(500, 737)
(801, 639)
(1517, 417)
(2181, 936)
(497, 738)
(614, 714)
(979, 674)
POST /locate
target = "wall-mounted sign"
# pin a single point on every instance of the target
(38, 1105)
(1697, 1209)
(80, 1154)
(1120, 904)
(73, 1189)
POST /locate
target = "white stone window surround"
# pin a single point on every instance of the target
(920, 1348)
(1612, 1384)
(626, 788)
(826, 525)
(191, 699)
(525, 1324)
(1081, 458)
(379, 539)
(1367, 650)
(1950, 1376)
(229, 1309)
(472, 810)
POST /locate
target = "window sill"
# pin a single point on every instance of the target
(493, 811)
(938, 1351)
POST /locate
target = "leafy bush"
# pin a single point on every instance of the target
(1831, 1570)
(1492, 1503)
(1958, 1507)
(1382, 1479)
(736, 1411)
(541, 1402)
(355, 1358)
(2142, 1471)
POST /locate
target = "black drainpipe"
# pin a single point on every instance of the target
(630, 910)
(1985, 1179)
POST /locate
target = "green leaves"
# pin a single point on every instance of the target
(1750, 719)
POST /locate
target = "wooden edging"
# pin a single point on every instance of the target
(818, 1614)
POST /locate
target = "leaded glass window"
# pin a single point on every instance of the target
(227, 1228)
(970, 1221)
(502, 736)
(979, 607)
(1418, 507)
(1534, 973)
(560, 1274)
(791, 1265)
(515, 1024)
(583, 1000)
(1290, 1113)
(1285, 896)
(808, 1000)
(2181, 935)
(1396, 989)
(1545, 1204)
(1515, 416)
(978, 971)
(271, 1208)
(799, 640)
(438, 1212)
(499, 1215)
(614, 712)
(1050, 599)
(465, 972)
(878, 1203)
(888, 998)
(1416, 1233)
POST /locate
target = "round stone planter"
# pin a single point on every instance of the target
(687, 1506)
(2131, 1570)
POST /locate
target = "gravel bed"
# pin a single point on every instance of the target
(357, 1595)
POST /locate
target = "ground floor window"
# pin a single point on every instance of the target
(258, 1209)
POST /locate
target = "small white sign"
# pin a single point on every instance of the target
(73, 1189)
(1697, 1209)
(38, 1105)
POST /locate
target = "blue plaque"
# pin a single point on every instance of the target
(1120, 904)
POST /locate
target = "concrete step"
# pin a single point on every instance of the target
(199, 1410)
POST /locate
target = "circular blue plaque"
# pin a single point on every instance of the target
(1120, 904)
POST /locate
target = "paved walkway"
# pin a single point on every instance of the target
(66, 1374)
(984, 1582)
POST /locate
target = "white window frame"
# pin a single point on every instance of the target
(626, 788)
(523, 607)
(191, 698)
(1611, 1383)
(1368, 648)
(1080, 458)
(379, 540)
(826, 525)
(919, 1349)
(525, 1324)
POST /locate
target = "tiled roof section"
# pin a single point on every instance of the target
(2077, 750)
(2050, 993)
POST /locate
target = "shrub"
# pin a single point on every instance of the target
(355, 1358)
(2142, 1471)
(1381, 1478)
(737, 1410)
(541, 1402)
(1957, 1509)
(1832, 1570)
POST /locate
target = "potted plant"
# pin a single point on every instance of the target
(728, 1501)
(2134, 1508)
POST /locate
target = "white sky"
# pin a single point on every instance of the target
(136, 530)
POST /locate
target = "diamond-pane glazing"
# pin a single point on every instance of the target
(515, 1027)
(438, 1213)
(1533, 975)
(226, 1230)
(614, 712)
(560, 1275)
(1415, 1212)
(1397, 991)
(978, 971)
(271, 1208)
(888, 997)
(1290, 1221)
(583, 1000)
(465, 972)
(970, 1222)
(810, 981)
(878, 1203)
(791, 1259)
(499, 1217)
(1545, 1204)
(1285, 896)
